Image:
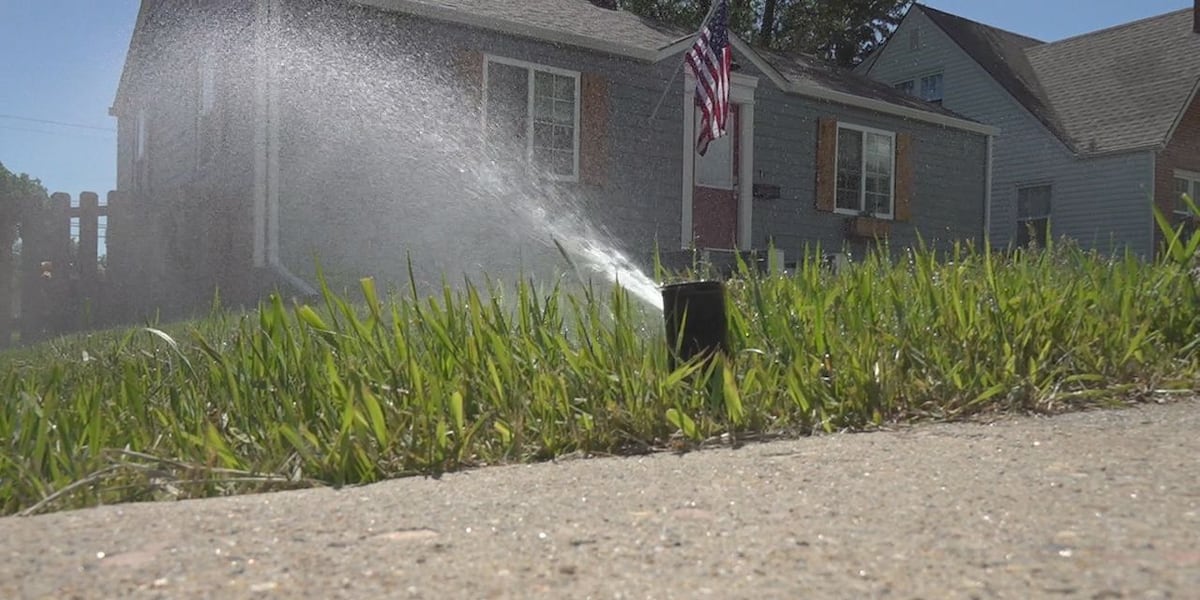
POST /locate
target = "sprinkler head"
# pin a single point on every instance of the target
(694, 315)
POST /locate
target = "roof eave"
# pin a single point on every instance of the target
(848, 99)
(123, 83)
(882, 106)
(450, 15)
(1191, 98)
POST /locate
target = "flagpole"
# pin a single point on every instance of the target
(712, 7)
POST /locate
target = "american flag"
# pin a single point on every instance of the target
(710, 59)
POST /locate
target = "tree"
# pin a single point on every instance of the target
(20, 197)
(840, 31)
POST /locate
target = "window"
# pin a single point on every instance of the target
(931, 88)
(914, 39)
(537, 109)
(866, 162)
(1186, 183)
(1033, 215)
(905, 86)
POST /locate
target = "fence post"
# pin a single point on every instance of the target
(88, 260)
(57, 296)
(118, 295)
(7, 274)
(89, 238)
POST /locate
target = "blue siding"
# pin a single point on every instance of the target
(361, 188)
(949, 176)
(1102, 202)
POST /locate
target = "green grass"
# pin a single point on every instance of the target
(350, 392)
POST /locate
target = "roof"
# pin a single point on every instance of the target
(1002, 54)
(1114, 90)
(580, 19)
(583, 24)
(807, 70)
(575, 22)
(1122, 88)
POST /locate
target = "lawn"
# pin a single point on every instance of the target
(355, 390)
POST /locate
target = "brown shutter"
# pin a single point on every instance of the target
(904, 177)
(827, 164)
(469, 64)
(593, 126)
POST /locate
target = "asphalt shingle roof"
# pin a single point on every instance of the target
(582, 19)
(798, 68)
(573, 17)
(1122, 88)
(1002, 54)
(1113, 90)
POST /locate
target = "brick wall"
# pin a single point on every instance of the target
(1183, 152)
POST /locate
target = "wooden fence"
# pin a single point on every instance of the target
(62, 282)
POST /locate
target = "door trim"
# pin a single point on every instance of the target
(741, 93)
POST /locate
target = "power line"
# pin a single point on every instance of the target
(63, 123)
(83, 135)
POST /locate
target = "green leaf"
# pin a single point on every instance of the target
(683, 423)
(311, 318)
(456, 410)
(733, 399)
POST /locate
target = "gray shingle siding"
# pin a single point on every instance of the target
(364, 178)
(374, 222)
(949, 176)
(1101, 202)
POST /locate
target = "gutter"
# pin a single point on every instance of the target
(1153, 204)
(987, 192)
(892, 109)
(464, 17)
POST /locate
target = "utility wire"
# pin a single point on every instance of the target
(63, 123)
(83, 135)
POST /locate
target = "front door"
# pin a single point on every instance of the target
(715, 188)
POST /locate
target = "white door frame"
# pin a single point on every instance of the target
(741, 92)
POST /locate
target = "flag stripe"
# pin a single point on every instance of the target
(710, 59)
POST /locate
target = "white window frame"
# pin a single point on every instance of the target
(862, 182)
(1193, 179)
(1048, 216)
(531, 68)
(919, 87)
(912, 86)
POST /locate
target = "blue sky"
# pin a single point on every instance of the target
(62, 58)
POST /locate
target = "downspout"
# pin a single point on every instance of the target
(987, 191)
(1153, 204)
(261, 11)
(266, 213)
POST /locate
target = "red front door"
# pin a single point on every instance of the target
(714, 190)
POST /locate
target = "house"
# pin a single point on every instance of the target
(260, 138)
(1094, 129)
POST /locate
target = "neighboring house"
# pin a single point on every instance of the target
(1093, 128)
(263, 136)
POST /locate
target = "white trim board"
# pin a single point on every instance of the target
(741, 92)
(530, 100)
(608, 46)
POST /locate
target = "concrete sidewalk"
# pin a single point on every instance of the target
(1102, 504)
